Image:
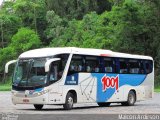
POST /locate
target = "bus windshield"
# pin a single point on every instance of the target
(31, 72)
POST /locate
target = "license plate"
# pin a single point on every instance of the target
(25, 100)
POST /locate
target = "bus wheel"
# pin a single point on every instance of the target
(38, 107)
(103, 104)
(131, 99)
(69, 102)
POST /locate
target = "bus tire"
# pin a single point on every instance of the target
(69, 101)
(131, 99)
(103, 104)
(38, 106)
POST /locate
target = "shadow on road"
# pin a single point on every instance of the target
(76, 108)
(61, 109)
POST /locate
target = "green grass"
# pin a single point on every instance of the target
(157, 89)
(5, 87)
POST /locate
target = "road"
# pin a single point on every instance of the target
(151, 106)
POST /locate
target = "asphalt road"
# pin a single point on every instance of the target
(151, 106)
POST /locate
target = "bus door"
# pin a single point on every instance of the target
(54, 76)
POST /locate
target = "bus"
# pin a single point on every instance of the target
(69, 75)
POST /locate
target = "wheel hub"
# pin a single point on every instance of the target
(70, 101)
(131, 99)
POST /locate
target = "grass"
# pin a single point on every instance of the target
(5, 87)
(157, 89)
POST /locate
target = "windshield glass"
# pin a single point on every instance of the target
(31, 72)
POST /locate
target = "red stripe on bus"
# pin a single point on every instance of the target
(104, 54)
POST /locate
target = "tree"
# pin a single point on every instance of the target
(76, 9)
(7, 54)
(32, 14)
(9, 23)
(24, 40)
(9, 26)
(129, 30)
(56, 26)
(89, 32)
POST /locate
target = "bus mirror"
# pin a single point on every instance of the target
(47, 64)
(9, 63)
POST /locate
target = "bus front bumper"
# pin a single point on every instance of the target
(21, 98)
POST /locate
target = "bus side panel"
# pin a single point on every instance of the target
(84, 84)
(149, 86)
(55, 94)
(87, 87)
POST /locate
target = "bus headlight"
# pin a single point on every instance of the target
(42, 92)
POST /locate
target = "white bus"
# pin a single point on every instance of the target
(64, 76)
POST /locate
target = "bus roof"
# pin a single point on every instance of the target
(45, 52)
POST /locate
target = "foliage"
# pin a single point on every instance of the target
(23, 40)
(7, 54)
(87, 33)
(77, 8)
(7, 21)
(26, 39)
(55, 25)
(32, 14)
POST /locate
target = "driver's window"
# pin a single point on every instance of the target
(53, 74)
(55, 71)
(57, 68)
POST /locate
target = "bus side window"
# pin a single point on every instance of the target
(88, 68)
(123, 66)
(108, 65)
(92, 64)
(55, 71)
(72, 66)
(134, 66)
(141, 69)
(76, 64)
(148, 66)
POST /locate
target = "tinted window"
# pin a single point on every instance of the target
(95, 64)
(141, 67)
(64, 58)
(134, 66)
(92, 64)
(148, 66)
(57, 68)
(55, 71)
(109, 65)
(123, 66)
(77, 64)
